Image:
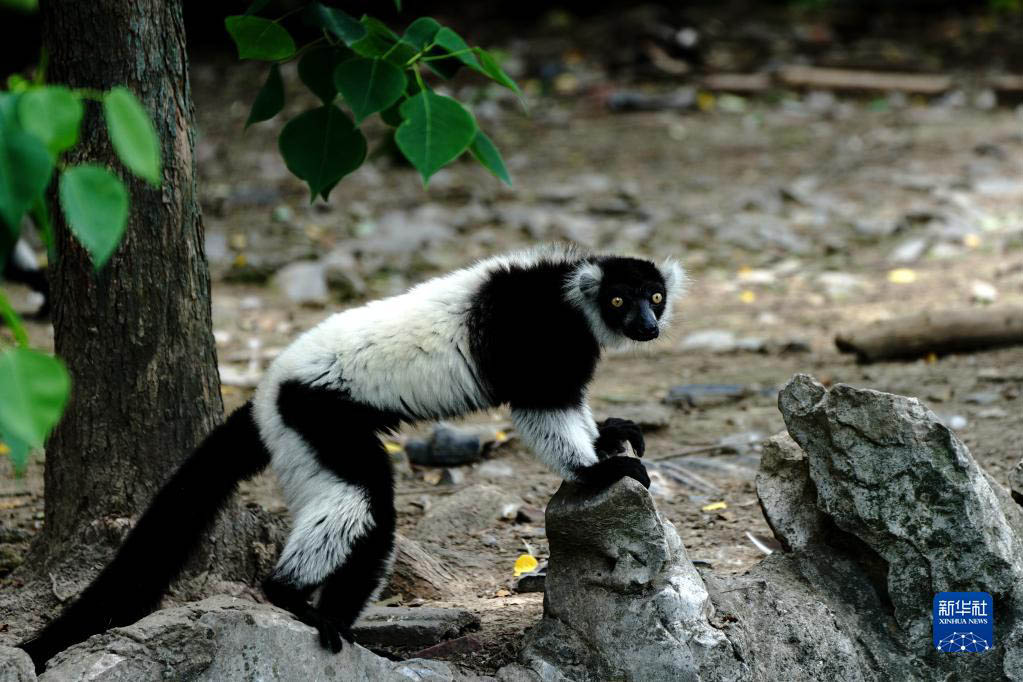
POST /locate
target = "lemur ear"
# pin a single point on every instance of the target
(675, 279)
(585, 282)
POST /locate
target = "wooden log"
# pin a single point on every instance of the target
(737, 82)
(949, 331)
(847, 79)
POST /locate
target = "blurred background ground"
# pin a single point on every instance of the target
(798, 211)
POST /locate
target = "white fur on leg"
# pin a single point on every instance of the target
(324, 532)
(563, 439)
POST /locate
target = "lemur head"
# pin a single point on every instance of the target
(626, 298)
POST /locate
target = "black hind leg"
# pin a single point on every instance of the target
(355, 583)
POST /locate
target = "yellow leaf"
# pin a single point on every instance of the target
(4, 449)
(747, 296)
(525, 564)
(501, 436)
(971, 240)
(240, 260)
(931, 358)
(705, 101)
(392, 448)
(714, 506)
(902, 276)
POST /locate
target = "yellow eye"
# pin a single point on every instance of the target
(617, 302)
(657, 298)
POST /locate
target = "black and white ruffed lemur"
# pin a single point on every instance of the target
(526, 329)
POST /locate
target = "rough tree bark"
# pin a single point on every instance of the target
(136, 336)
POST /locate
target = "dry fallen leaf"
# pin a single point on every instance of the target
(526, 563)
(502, 593)
(714, 506)
(902, 276)
(747, 296)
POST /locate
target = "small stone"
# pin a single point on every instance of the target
(452, 477)
(957, 422)
(992, 413)
(705, 395)
(304, 283)
(283, 214)
(840, 285)
(909, 251)
(982, 397)
(495, 470)
(531, 582)
(412, 627)
(488, 540)
(711, 340)
(982, 292)
(447, 446)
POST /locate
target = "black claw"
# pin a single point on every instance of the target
(614, 433)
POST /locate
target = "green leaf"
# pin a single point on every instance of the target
(453, 43)
(380, 41)
(421, 33)
(397, 5)
(343, 25)
(435, 131)
(321, 146)
(35, 392)
(96, 205)
(261, 39)
(492, 69)
(53, 114)
(270, 98)
(132, 134)
(369, 85)
(25, 168)
(17, 450)
(487, 154)
(316, 69)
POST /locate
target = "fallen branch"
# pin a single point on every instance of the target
(950, 331)
(846, 79)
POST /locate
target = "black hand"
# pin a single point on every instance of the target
(614, 433)
(607, 471)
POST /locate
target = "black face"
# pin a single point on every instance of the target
(632, 297)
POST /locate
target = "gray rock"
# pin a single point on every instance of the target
(787, 495)
(891, 475)
(470, 510)
(304, 283)
(412, 627)
(343, 274)
(705, 395)
(622, 599)
(447, 446)
(982, 397)
(710, 340)
(15, 665)
(910, 250)
(222, 638)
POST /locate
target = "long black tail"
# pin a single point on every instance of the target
(157, 548)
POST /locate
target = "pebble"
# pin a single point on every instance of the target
(304, 283)
(705, 395)
(992, 413)
(447, 446)
(982, 292)
(983, 397)
(909, 251)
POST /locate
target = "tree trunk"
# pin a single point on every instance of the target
(136, 336)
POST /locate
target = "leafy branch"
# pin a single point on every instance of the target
(372, 70)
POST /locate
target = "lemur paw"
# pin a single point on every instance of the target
(614, 433)
(333, 637)
(607, 471)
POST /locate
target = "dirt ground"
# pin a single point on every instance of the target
(790, 216)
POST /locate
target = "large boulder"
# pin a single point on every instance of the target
(622, 599)
(222, 638)
(877, 505)
(889, 473)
